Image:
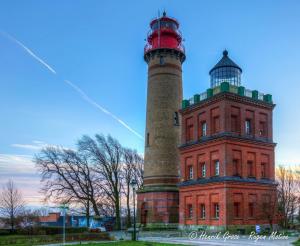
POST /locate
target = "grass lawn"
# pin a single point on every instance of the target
(30, 240)
(129, 243)
(21, 240)
(297, 243)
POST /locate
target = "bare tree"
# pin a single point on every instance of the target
(106, 155)
(67, 178)
(11, 203)
(288, 190)
(132, 168)
(269, 208)
(95, 176)
(128, 174)
(138, 170)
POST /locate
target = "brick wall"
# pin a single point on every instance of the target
(225, 194)
(246, 161)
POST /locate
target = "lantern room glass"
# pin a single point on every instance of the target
(232, 75)
(164, 24)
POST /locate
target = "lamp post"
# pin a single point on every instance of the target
(133, 184)
(64, 207)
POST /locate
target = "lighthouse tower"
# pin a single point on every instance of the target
(158, 201)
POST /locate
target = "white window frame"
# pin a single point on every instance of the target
(190, 211)
(191, 172)
(217, 210)
(202, 211)
(248, 126)
(204, 128)
(203, 170)
(217, 167)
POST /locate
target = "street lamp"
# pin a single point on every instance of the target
(64, 207)
(133, 184)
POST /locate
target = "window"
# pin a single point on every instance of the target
(234, 123)
(189, 130)
(265, 207)
(250, 168)
(236, 171)
(264, 170)
(225, 74)
(176, 119)
(203, 169)
(216, 210)
(217, 168)
(251, 209)
(216, 124)
(203, 129)
(202, 211)
(190, 211)
(248, 127)
(236, 206)
(148, 139)
(262, 129)
(191, 172)
(161, 60)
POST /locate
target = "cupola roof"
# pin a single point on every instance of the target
(225, 62)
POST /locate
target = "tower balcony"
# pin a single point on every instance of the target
(148, 47)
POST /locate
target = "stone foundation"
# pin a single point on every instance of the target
(158, 209)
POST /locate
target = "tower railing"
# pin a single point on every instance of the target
(148, 47)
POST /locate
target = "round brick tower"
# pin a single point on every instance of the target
(158, 201)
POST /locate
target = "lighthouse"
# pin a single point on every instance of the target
(158, 201)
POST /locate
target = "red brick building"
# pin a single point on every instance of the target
(213, 165)
(227, 154)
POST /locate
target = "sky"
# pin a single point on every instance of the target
(75, 67)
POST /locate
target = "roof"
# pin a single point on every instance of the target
(164, 18)
(225, 62)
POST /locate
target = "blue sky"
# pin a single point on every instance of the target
(98, 46)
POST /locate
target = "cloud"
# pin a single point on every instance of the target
(21, 169)
(30, 52)
(72, 85)
(12, 164)
(38, 145)
(35, 145)
(93, 103)
(27, 146)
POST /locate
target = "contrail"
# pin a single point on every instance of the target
(92, 102)
(30, 52)
(73, 86)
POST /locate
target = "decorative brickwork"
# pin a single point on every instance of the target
(227, 160)
(223, 170)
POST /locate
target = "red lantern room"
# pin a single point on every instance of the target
(164, 34)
